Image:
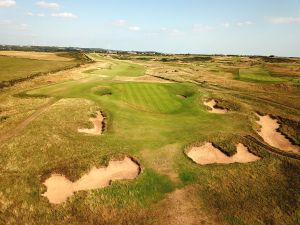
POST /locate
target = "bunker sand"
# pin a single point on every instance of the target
(212, 105)
(274, 138)
(208, 154)
(59, 188)
(98, 123)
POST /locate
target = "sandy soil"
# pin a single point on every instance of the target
(212, 105)
(35, 55)
(274, 138)
(59, 188)
(208, 154)
(97, 122)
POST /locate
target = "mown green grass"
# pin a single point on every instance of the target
(149, 97)
(14, 68)
(119, 68)
(258, 74)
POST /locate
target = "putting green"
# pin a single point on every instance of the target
(149, 97)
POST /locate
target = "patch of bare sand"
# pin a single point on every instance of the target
(35, 55)
(208, 154)
(98, 122)
(212, 105)
(274, 138)
(59, 188)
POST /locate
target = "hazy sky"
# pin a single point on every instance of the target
(175, 26)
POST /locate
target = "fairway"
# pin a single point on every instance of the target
(258, 74)
(116, 68)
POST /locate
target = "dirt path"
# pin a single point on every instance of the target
(182, 207)
(21, 126)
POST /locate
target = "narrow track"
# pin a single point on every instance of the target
(21, 126)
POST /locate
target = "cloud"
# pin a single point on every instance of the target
(171, 32)
(134, 28)
(38, 14)
(5, 22)
(201, 28)
(284, 20)
(7, 3)
(48, 5)
(64, 15)
(246, 23)
(120, 23)
(175, 32)
(225, 25)
(23, 26)
(11, 25)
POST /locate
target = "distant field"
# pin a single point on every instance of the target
(15, 68)
(49, 56)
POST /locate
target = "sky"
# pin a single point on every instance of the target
(250, 27)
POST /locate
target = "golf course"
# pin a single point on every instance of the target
(173, 139)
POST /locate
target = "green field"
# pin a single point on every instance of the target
(258, 74)
(155, 123)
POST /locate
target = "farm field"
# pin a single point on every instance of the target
(152, 111)
(23, 65)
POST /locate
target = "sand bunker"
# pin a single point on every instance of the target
(59, 188)
(274, 138)
(212, 104)
(98, 122)
(208, 154)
